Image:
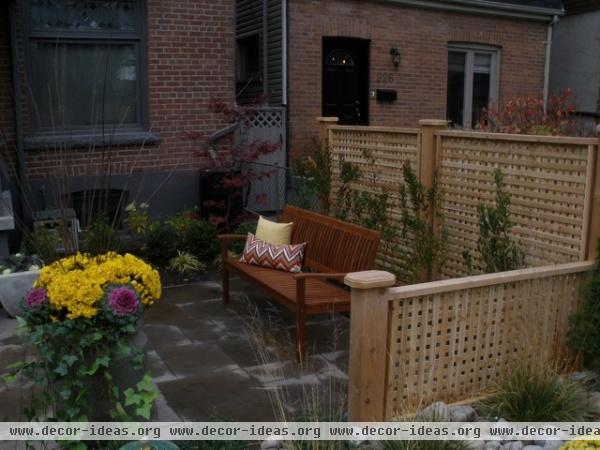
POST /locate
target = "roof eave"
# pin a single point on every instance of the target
(485, 7)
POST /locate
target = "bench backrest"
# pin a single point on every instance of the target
(333, 245)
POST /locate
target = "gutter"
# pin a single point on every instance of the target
(284, 51)
(547, 62)
(483, 7)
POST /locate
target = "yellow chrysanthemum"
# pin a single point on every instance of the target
(76, 283)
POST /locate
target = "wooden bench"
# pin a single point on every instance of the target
(334, 248)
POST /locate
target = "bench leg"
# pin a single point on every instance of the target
(225, 285)
(300, 336)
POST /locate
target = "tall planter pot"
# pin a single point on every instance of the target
(124, 376)
(13, 288)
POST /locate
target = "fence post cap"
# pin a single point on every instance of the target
(370, 279)
(328, 119)
(433, 123)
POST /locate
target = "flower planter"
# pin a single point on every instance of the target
(13, 288)
(84, 322)
(124, 376)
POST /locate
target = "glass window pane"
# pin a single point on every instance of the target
(80, 85)
(483, 62)
(340, 58)
(481, 94)
(97, 15)
(456, 87)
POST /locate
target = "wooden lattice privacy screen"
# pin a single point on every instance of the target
(449, 340)
(379, 153)
(549, 179)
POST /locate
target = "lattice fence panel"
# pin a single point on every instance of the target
(379, 153)
(452, 345)
(546, 180)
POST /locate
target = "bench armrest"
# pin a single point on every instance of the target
(225, 239)
(301, 285)
(335, 276)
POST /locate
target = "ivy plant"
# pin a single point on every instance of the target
(498, 251)
(422, 227)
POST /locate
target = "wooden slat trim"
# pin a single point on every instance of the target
(477, 281)
(589, 196)
(369, 129)
(517, 137)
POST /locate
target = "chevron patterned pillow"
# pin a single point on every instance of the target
(282, 257)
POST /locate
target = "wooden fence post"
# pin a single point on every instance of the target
(368, 344)
(594, 224)
(428, 149)
(429, 161)
(324, 124)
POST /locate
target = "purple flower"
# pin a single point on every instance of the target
(123, 301)
(36, 297)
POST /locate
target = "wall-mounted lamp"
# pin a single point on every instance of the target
(395, 57)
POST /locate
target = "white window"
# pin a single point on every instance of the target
(472, 82)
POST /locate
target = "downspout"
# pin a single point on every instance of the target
(265, 48)
(21, 163)
(284, 55)
(547, 62)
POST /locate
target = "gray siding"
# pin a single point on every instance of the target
(274, 49)
(576, 61)
(249, 20)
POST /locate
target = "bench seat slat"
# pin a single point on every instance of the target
(321, 295)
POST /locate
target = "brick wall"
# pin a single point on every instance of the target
(190, 61)
(422, 38)
(7, 116)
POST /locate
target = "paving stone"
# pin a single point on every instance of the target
(199, 397)
(164, 336)
(202, 357)
(158, 368)
(167, 312)
(199, 359)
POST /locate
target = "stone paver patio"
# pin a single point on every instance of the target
(234, 363)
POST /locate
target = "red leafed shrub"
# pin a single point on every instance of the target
(233, 155)
(525, 115)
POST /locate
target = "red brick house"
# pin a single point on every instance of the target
(393, 62)
(78, 77)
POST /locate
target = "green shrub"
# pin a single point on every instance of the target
(201, 240)
(185, 263)
(534, 392)
(137, 218)
(160, 243)
(43, 242)
(181, 223)
(317, 169)
(243, 228)
(101, 237)
(584, 334)
(427, 245)
(498, 252)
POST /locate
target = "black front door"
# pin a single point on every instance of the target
(346, 80)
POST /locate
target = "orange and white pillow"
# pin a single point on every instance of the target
(282, 257)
